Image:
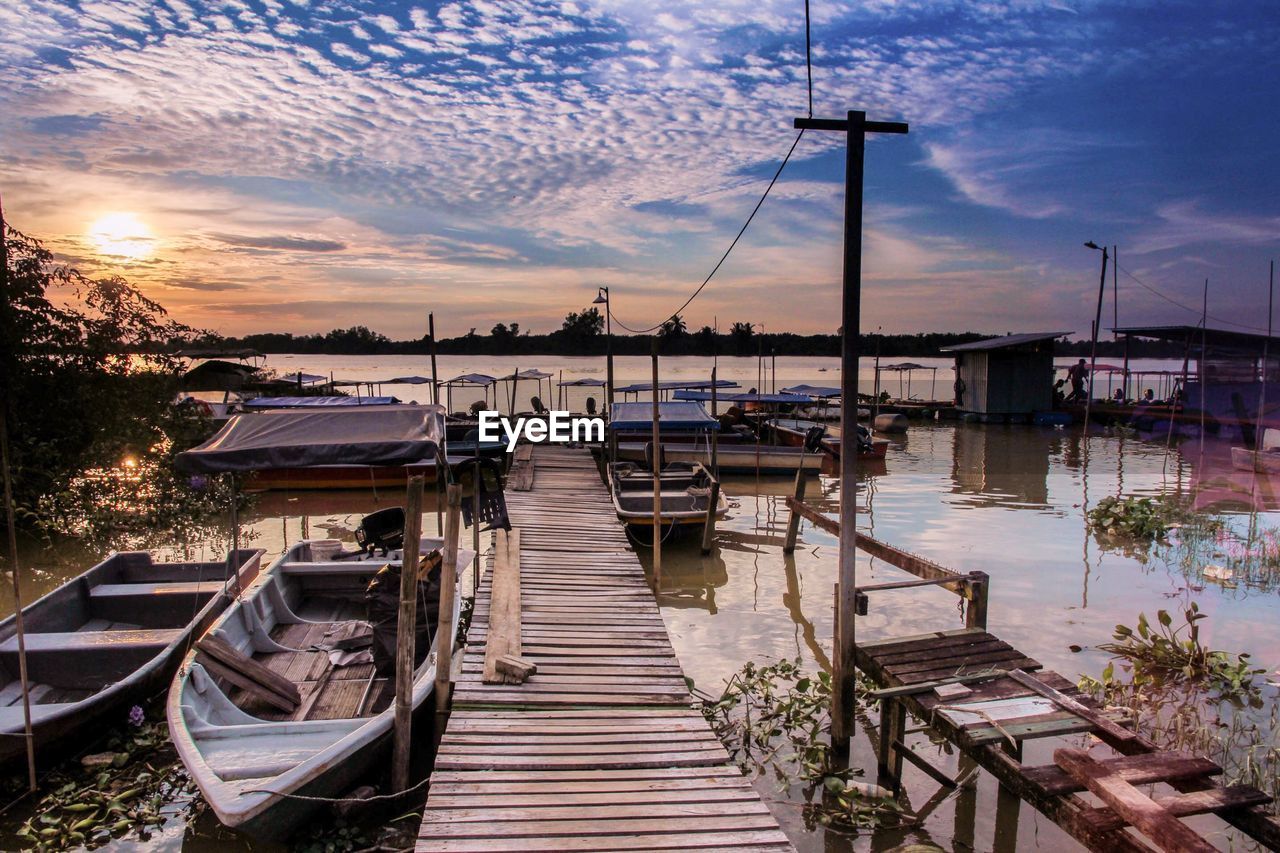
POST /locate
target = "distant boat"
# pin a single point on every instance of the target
(794, 432)
(1262, 461)
(684, 496)
(249, 757)
(107, 639)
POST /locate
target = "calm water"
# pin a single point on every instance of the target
(1007, 500)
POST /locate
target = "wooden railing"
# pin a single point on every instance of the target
(974, 586)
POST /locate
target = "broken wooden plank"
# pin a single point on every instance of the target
(232, 658)
(1156, 823)
(1134, 769)
(248, 685)
(1184, 805)
(503, 638)
(519, 668)
(1109, 731)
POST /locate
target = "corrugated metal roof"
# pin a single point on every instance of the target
(1246, 341)
(1006, 341)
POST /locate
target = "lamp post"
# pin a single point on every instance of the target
(602, 298)
(1097, 323)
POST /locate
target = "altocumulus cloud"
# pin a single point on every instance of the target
(597, 139)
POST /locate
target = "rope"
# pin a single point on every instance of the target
(725, 256)
(337, 801)
(1197, 311)
(808, 66)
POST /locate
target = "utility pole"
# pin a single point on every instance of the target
(856, 127)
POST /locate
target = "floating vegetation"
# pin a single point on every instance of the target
(133, 786)
(777, 718)
(1144, 520)
(1163, 655)
(1187, 697)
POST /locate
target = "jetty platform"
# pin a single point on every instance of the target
(603, 747)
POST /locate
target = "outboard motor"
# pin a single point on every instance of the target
(813, 438)
(382, 531)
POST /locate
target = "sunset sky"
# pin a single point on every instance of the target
(276, 165)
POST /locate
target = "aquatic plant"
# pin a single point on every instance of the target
(777, 718)
(133, 786)
(1163, 654)
(1186, 697)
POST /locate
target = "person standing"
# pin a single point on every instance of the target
(1077, 374)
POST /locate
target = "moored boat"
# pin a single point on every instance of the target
(109, 638)
(767, 459)
(252, 759)
(1262, 461)
(794, 432)
(685, 494)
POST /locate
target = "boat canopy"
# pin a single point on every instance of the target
(531, 373)
(677, 415)
(583, 383)
(386, 435)
(398, 380)
(690, 384)
(818, 391)
(703, 396)
(470, 379)
(336, 402)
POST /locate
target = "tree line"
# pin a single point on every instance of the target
(583, 333)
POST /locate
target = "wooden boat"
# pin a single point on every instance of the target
(732, 459)
(684, 493)
(793, 431)
(251, 758)
(1263, 461)
(105, 640)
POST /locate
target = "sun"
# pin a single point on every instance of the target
(122, 236)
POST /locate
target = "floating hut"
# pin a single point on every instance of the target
(1005, 378)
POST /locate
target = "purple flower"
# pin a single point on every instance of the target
(136, 716)
(199, 482)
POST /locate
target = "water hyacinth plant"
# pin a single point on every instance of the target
(778, 718)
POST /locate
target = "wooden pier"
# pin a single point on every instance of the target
(603, 747)
(988, 698)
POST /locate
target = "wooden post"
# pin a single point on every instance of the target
(657, 472)
(405, 621)
(709, 526)
(448, 591)
(475, 523)
(793, 523)
(979, 589)
(435, 382)
(855, 126)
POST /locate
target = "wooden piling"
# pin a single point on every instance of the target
(404, 634)
(657, 473)
(709, 526)
(793, 523)
(448, 591)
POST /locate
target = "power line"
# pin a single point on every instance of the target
(808, 65)
(1198, 312)
(725, 256)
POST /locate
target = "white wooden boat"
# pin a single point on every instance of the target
(249, 758)
(104, 640)
(684, 495)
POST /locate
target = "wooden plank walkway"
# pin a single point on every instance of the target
(601, 749)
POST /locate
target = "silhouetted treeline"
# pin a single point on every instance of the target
(583, 334)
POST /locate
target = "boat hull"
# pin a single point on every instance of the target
(56, 727)
(1263, 462)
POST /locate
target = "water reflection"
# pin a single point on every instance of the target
(995, 470)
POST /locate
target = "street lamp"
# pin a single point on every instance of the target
(602, 298)
(1097, 323)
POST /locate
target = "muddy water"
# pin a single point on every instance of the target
(1007, 500)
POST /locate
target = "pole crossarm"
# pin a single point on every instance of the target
(843, 125)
